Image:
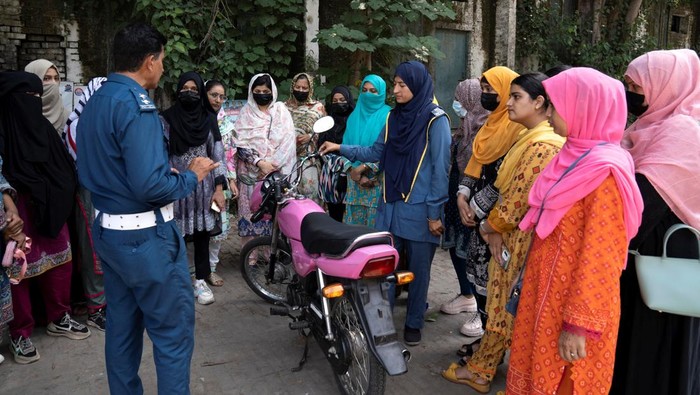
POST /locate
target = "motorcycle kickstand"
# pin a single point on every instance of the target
(306, 352)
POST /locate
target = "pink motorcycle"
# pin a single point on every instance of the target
(332, 279)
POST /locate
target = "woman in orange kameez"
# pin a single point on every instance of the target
(584, 208)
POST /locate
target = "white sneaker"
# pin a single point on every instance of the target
(202, 292)
(472, 327)
(459, 304)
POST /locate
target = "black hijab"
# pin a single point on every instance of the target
(35, 160)
(407, 131)
(340, 120)
(190, 127)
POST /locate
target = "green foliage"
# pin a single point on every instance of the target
(387, 27)
(229, 40)
(545, 33)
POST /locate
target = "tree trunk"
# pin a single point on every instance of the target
(632, 12)
(695, 39)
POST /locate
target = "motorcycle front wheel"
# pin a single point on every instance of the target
(364, 375)
(255, 264)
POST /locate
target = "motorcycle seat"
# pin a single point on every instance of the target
(321, 234)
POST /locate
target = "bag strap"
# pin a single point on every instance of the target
(676, 227)
(532, 239)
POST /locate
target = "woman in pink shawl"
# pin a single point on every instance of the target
(265, 141)
(659, 353)
(584, 209)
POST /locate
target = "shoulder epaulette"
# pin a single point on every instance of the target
(437, 111)
(144, 101)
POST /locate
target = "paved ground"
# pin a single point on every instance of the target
(241, 349)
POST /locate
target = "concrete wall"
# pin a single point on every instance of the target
(311, 19)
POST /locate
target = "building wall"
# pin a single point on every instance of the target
(34, 29)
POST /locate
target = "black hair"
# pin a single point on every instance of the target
(211, 84)
(532, 84)
(264, 79)
(556, 70)
(133, 44)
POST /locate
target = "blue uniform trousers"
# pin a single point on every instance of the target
(420, 258)
(148, 286)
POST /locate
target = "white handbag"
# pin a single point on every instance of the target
(670, 285)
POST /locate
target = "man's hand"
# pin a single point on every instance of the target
(202, 166)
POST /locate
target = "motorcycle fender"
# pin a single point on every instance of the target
(371, 297)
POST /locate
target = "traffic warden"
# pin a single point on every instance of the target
(123, 161)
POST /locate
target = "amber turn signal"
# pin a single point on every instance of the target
(404, 277)
(334, 290)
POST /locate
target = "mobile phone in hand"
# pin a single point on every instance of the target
(505, 258)
(215, 207)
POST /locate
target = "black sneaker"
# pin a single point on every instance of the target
(411, 336)
(98, 319)
(24, 351)
(68, 327)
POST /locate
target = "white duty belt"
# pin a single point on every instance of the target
(146, 219)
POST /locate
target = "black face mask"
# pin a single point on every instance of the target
(634, 103)
(262, 99)
(340, 108)
(489, 101)
(300, 96)
(189, 99)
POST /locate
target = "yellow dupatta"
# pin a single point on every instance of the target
(542, 133)
(498, 133)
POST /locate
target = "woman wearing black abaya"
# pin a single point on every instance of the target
(38, 166)
(192, 131)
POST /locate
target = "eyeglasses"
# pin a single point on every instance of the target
(215, 95)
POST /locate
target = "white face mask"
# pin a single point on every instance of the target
(457, 106)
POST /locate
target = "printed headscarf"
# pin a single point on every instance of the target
(468, 94)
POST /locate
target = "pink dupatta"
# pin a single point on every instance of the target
(594, 109)
(665, 140)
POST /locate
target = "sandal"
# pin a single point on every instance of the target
(467, 349)
(215, 280)
(451, 375)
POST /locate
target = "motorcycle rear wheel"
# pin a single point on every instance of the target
(255, 263)
(365, 375)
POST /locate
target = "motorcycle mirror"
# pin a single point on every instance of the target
(323, 124)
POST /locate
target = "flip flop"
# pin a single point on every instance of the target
(451, 375)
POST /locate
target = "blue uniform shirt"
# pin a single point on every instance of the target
(122, 153)
(409, 219)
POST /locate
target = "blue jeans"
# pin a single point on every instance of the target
(148, 286)
(420, 259)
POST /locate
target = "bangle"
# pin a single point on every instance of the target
(481, 225)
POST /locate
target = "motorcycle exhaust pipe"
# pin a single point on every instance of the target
(406, 355)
